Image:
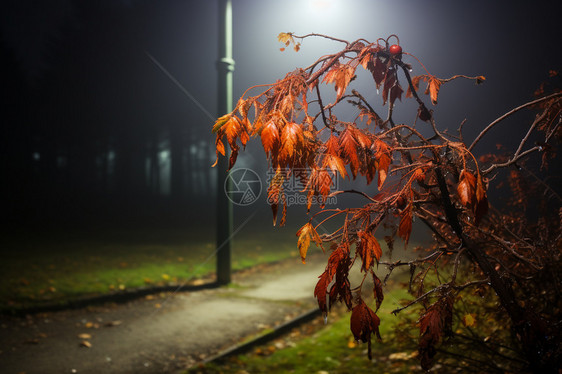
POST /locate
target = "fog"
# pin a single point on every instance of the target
(98, 128)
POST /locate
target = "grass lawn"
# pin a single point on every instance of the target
(332, 348)
(55, 268)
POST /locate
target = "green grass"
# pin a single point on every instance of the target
(332, 349)
(56, 269)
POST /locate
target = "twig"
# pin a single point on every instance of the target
(496, 121)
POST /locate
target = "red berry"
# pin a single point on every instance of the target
(395, 50)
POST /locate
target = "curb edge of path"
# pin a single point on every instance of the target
(262, 339)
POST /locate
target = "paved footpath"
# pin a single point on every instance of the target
(161, 333)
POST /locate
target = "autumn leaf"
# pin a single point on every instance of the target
(368, 249)
(274, 193)
(434, 324)
(466, 187)
(285, 38)
(391, 89)
(405, 226)
(377, 290)
(220, 122)
(321, 291)
(348, 150)
(363, 323)
(340, 75)
(415, 84)
(270, 138)
(468, 320)
(433, 86)
(382, 155)
(335, 164)
(378, 70)
(306, 233)
(291, 141)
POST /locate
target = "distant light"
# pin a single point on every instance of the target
(36, 156)
(322, 5)
(164, 155)
(323, 10)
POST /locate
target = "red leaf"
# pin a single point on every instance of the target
(434, 323)
(466, 188)
(275, 193)
(321, 291)
(405, 227)
(378, 70)
(383, 158)
(368, 249)
(348, 149)
(377, 290)
(391, 90)
(364, 322)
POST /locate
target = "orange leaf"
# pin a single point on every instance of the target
(415, 83)
(274, 193)
(433, 86)
(466, 187)
(341, 75)
(291, 141)
(270, 138)
(335, 164)
(405, 226)
(369, 250)
(348, 149)
(304, 240)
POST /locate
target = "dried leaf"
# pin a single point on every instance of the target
(270, 138)
(405, 226)
(434, 323)
(363, 323)
(86, 344)
(368, 249)
(468, 320)
(466, 188)
(292, 139)
(348, 150)
(304, 240)
(377, 290)
(433, 87)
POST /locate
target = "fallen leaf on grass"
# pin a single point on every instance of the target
(468, 320)
(113, 323)
(86, 344)
(197, 282)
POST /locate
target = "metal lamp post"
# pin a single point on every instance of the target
(225, 66)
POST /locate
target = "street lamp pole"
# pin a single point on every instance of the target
(225, 66)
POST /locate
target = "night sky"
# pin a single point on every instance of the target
(81, 94)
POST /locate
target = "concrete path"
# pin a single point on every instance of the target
(162, 333)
